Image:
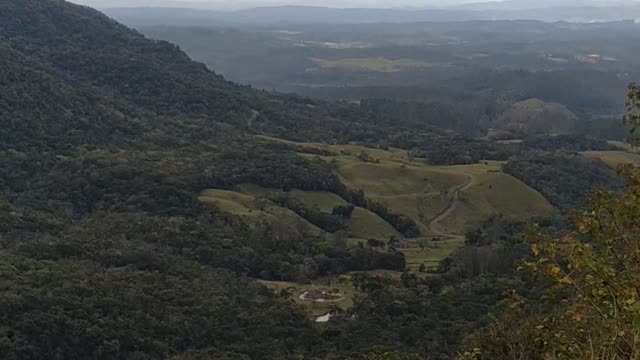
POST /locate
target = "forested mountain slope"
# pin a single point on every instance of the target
(102, 77)
(105, 252)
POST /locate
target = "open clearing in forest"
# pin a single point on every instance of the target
(372, 64)
(445, 201)
(362, 225)
(491, 192)
(624, 146)
(412, 188)
(254, 210)
(432, 253)
(614, 158)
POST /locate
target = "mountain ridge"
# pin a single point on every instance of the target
(296, 14)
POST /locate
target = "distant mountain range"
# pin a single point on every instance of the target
(544, 10)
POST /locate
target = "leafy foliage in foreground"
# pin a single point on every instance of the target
(592, 308)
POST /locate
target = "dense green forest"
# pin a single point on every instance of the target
(565, 179)
(106, 252)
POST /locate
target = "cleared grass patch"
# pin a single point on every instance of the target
(325, 201)
(614, 158)
(364, 224)
(624, 145)
(423, 192)
(390, 179)
(493, 193)
(432, 254)
(372, 64)
(232, 202)
(247, 207)
(420, 207)
(458, 197)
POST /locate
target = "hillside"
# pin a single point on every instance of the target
(534, 117)
(445, 202)
(69, 55)
(342, 14)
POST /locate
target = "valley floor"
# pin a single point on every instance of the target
(445, 202)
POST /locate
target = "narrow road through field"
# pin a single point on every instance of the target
(453, 205)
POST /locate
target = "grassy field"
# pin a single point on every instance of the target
(422, 192)
(396, 179)
(247, 206)
(417, 191)
(432, 253)
(494, 193)
(325, 201)
(445, 201)
(624, 146)
(372, 64)
(614, 158)
(366, 225)
(420, 207)
(232, 202)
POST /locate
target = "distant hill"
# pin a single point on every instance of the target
(289, 15)
(534, 117)
(280, 15)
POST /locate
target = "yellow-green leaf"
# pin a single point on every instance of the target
(535, 249)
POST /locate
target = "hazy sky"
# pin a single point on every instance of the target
(239, 4)
(236, 4)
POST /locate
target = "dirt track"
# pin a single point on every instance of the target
(453, 205)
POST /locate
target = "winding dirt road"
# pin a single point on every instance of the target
(453, 205)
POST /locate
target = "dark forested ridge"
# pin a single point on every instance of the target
(105, 253)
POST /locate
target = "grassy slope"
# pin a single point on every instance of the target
(419, 192)
(246, 206)
(469, 192)
(459, 197)
(372, 64)
(366, 225)
(325, 201)
(492, 192)
(432, 254)
(624, 145)
(614, 158)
